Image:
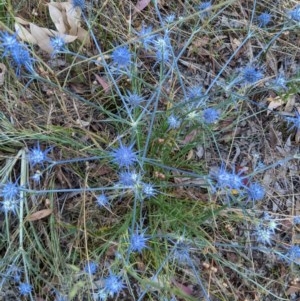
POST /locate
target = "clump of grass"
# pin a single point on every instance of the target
(126, 170)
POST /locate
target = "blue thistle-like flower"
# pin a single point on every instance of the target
(205, 9)
(9, 191)
(113, 284)
(264, 19)
(251, 75)
(138, 241)
(295, 121)
(124, 156)
(102, 200)
(256, 192)
(90, 267)
(279, 83)
(129, 178)
(263, 234)
(162, 51)
(181, 252)
(58, 44)
(210, 115)
(21, 58)
(228, 180)
(133, 99)
(101, 295)
(9, 205)
(37, 177)
(293, 254)
(25, 288)
(121, 57)
(296, 220)
(294, 14)
(149, 191)
(170, 18)
(37, 156)
(146, 37)
(8, 42)
(173, 122)
(195, 92)
(78, 4)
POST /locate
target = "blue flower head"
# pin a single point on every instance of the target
(256, 192)
(10, 191)
(279, 83)
(173, 122)
(25, 288)
(124, 156)
(146, 37)
(210, 115)
(162, 51)
(251, 75)
(294, 14)
(263, 234)
(205, 8)
(293, 254)
(22, 59)
(58, 44)
(37, 156)
(90, 267)
(296, 220)
(78, 3)
(195, 92)
(264, 19)
(149, 191)
(133, 99)
(294, 121)
(138, 241)
(181, 252)
(9, 205)
(170, 18)
(113, 284)
(129, 178)
(102, 200)
(8, 42)
(121, 57)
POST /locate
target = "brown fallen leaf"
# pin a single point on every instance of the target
(102, 82)
(141, 4)
(274, 103)
(38, 215)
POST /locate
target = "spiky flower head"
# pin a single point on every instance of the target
(121, 57)
(148, 190)
(251, 75)
(90, 267)
(9, 205)
(134, 99)
(293, 254)
(210, 115)
(58, 44)
(25, 288)
(264, 19)
(263, 234)
(173, 122)
(124, 156)
(8, 42)
(37, 156)
(78, 4)
(22, 59)
(181, 252)
(294, 14)
(146, 37)
(129, 178)
(256, 192)
(113, 284)
(205, 8)
(294, 121)
(102, 200)
(162, 51)
(296, 220)
(9, 190)
(138, 241)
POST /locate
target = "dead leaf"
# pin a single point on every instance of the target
(57, 18)
(141, 4)
(42, 37)
(290, 104)
(38, 215)
(83, 36)
(73, 17)
(293, 289)
(2, 73)
(24, 34)
(103, 83)
(274, 103)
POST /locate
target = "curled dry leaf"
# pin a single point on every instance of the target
(39, 215)
(73, 17)
(24, 34)
(2, 73)
(57, 18)
(42, 37)
(141, 4)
